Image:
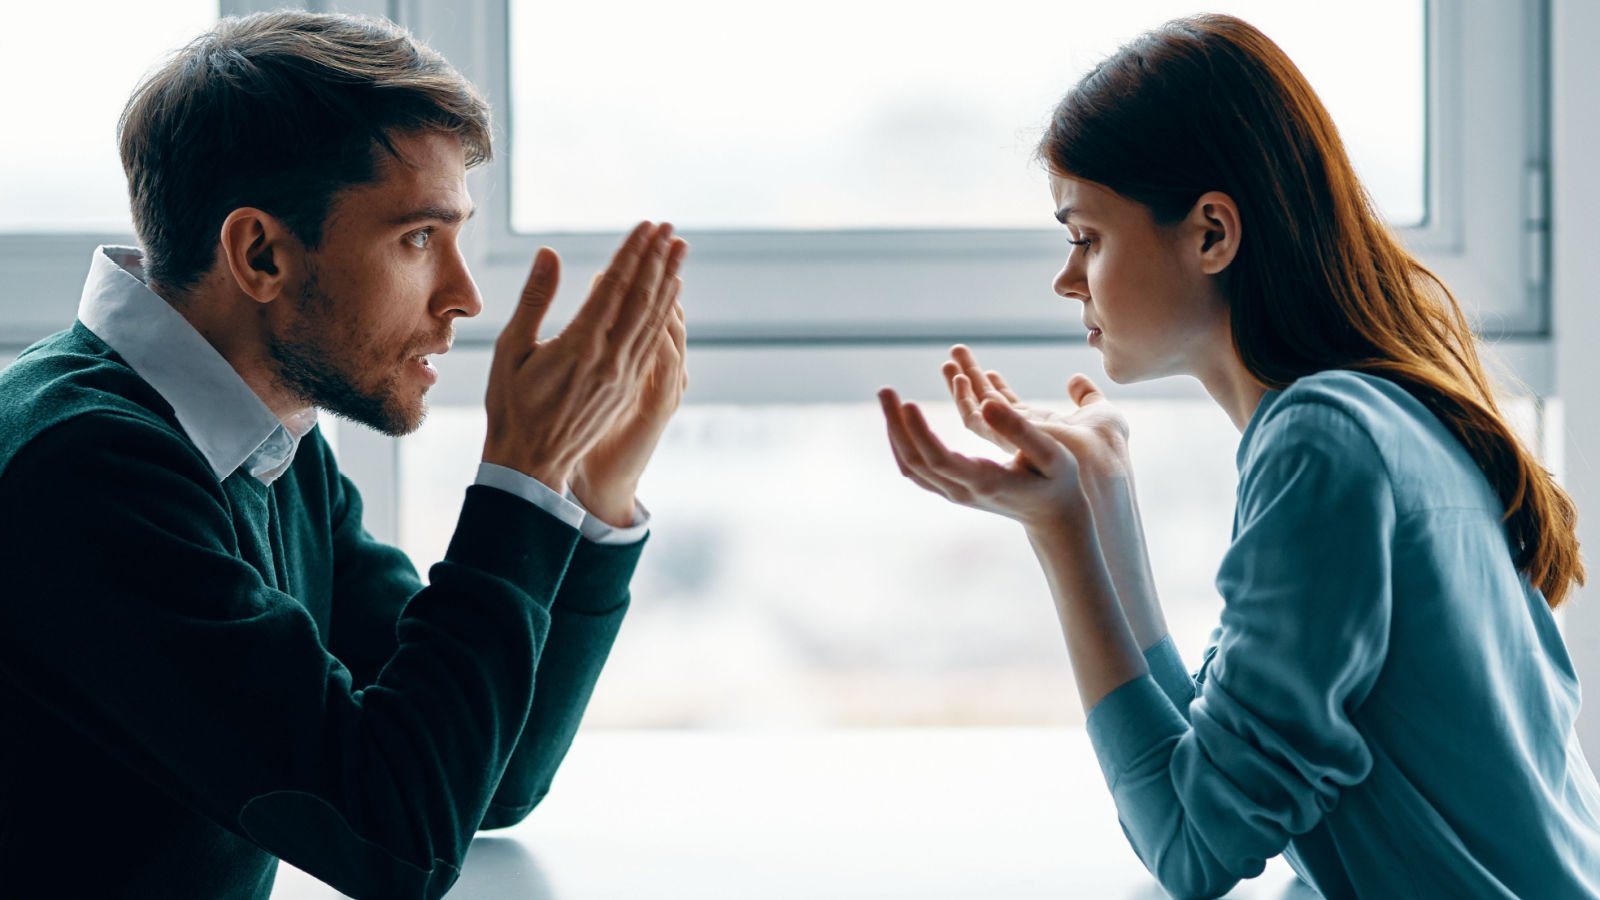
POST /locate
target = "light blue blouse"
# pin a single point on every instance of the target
(1387, 700)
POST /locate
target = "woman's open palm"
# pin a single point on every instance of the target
(1095, 432)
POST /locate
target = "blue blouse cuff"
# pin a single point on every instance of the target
(1130, 723)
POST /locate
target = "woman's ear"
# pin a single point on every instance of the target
(261, 254)
(1214, 224)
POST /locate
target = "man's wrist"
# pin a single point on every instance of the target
(611, 503)
(553, 476)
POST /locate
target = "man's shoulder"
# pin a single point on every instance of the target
(73, 377)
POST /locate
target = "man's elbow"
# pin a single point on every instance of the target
(504, 816)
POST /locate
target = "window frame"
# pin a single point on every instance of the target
(1464, 236)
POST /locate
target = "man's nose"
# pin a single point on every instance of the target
(459, 293)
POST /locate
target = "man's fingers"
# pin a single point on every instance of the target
(668, 286)
(677, 324)
(611, 290)
(537, 294)
(641, 313)
(1083, 391)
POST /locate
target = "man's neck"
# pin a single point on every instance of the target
(237, 328)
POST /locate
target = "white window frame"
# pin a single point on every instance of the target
(1486, 229)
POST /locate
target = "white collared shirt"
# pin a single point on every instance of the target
(229, 424)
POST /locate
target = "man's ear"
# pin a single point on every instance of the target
(261, 254)
(1213, 223)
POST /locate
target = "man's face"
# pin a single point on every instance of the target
(380, 293)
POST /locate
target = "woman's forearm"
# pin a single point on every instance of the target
(1121, 532)
(1102, 647)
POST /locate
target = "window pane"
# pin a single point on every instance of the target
(793, 578)
(61, 170)
(842, 114)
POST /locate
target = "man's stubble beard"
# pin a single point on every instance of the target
(313, 362)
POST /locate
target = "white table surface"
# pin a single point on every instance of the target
(926, 814)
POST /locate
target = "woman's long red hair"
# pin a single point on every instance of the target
(1320, 281)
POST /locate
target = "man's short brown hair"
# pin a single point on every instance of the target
(278, 111)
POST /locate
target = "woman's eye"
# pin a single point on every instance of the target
(1081, 242)
(419, 239)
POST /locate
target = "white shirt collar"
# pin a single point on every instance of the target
(230, 425)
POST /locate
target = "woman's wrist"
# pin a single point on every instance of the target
(1066, 527)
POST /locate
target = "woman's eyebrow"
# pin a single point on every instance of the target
(1063, 213)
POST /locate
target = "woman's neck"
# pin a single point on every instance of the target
(1234, 389)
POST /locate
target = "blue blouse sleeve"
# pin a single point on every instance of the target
(1268, 744)
(1166, 667)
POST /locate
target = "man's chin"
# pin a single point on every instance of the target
(389, 416)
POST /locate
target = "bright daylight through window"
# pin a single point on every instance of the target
(62, 173)
(843, 114)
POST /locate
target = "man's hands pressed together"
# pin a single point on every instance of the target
(587, 406)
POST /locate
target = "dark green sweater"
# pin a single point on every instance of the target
(198, 676)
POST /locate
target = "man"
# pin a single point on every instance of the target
(205, 662)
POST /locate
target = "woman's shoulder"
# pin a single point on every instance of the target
(1337, 410)
(1369, 400)
(1372, 425)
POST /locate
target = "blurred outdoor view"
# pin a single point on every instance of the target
(724, 114)
(794, 578)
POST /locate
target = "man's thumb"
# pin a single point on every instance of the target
(537, 294)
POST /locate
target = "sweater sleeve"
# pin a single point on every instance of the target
(1269, 743)
(584, 621)
(373, 581)
(130, 614)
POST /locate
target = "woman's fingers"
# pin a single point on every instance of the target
(947, 470)
(998, 382)
(983, 382)
(967, 403)
(1083, 391)
(962, 356)
(905, 454)
(1041, 450)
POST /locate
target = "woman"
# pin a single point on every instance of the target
(1387, 700)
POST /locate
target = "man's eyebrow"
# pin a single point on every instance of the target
(447, 215)
(1063, 213)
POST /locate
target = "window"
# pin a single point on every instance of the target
(879, 115)
(61, 171)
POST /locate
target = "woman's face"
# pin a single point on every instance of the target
(1150, 301)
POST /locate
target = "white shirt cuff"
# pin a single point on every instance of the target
(566, 508)
(532, 490)
(603, 532)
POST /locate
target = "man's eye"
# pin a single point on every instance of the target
(419, 239)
